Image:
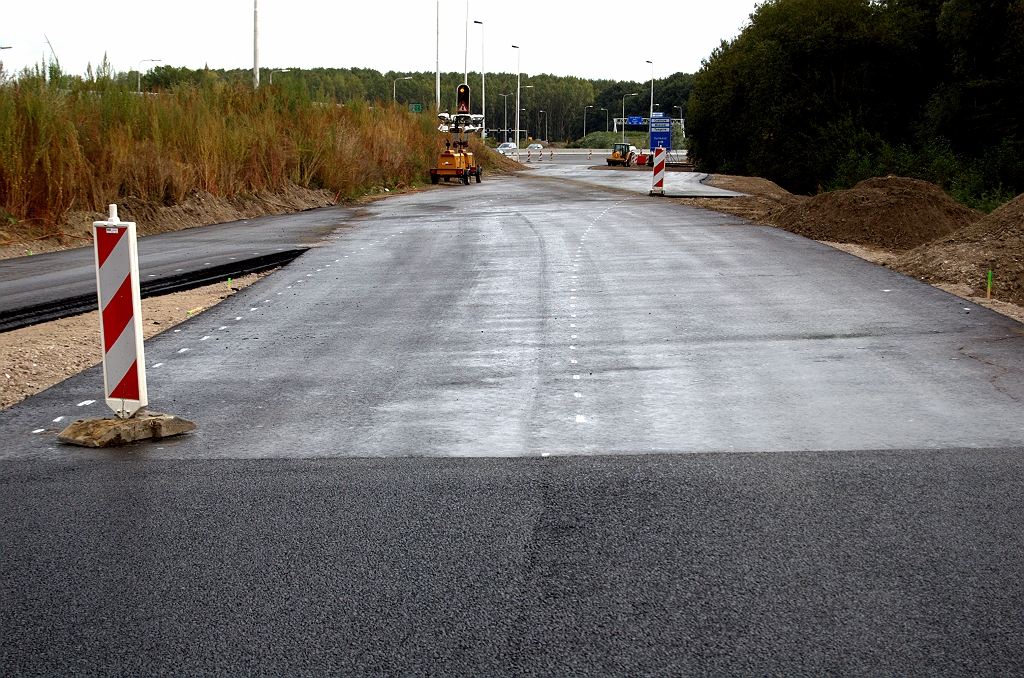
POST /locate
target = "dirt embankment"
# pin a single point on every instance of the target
(993, 243)
(894, 213)
(198, 209)
(911, 226)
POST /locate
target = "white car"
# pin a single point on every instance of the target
(535, 147)
(507, 148)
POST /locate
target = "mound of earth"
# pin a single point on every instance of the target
(890, 212)
(763, 203)
(994, 243)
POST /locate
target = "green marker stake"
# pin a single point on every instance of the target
(229, 283)
(988, 295)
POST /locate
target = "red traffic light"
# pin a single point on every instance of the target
(463, 99)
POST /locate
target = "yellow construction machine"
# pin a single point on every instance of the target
(622, 154)
(456, 160)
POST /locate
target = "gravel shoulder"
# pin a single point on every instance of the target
(33, 359)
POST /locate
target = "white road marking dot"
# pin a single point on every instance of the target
(887, 290)
(578, 395)
(157, 365)
(182, 350)
(222, 327)
(573, 361)
(177, 330)
(39, 430)
(545, 454)
(575, 376)
(573, 337)
(252, 309)
(238, 318)
(205, 338)
(58, 419)
(580, 419)
(86, 402)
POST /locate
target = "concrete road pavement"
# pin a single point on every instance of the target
(447, 441)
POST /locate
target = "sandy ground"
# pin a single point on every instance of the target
(35, 358)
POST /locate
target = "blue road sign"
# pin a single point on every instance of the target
(635, 120)
(661, 132)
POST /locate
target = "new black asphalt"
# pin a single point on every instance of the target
(58, 284)
(527, 428)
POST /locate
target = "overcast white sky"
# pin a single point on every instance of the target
(587, 39)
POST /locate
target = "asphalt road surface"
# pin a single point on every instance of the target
(536, 427)
(57, 284)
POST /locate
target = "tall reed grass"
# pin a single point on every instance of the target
(69, 144)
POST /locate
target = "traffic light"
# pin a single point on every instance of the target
(463, 99)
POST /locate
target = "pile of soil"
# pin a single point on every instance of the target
(994, 243)
(890, 212)
(764, 202)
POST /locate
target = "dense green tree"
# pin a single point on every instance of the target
(820, 93)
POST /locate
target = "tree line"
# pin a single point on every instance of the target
(819, 94)
(563, 99)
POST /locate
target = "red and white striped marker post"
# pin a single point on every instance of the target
(117, 285)
(659, 172)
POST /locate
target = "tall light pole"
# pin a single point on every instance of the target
(277, 70)
(505, 99)
(624, 115)
(437, 63)
(394, 87)
(483, 84)
(138, 87)
(527, 130)
(465, 64)
(545, 126)
(605, 119)
(683, 129)
(585, 120)
(652, 89)
(518, 74)
(255, 46)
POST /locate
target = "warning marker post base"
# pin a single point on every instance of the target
(116, 431)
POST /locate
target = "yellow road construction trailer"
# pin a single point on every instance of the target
(456, 161)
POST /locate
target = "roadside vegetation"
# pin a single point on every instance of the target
(820, 94)
(79, 143)
(562, 98)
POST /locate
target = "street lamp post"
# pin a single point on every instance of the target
(605, 119)
(518, 80)
(681, 120)
(624, 115)
(394, 86)
(585, 120)
(277, 70)
(505, 100)
(652, 88)
(545, 126)
(527, 130)
(483, 85)
(138, 87)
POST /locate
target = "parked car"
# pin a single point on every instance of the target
(507, 148)
(534, 147)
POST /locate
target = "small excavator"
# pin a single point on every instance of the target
(456, 160)
(622, 154)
